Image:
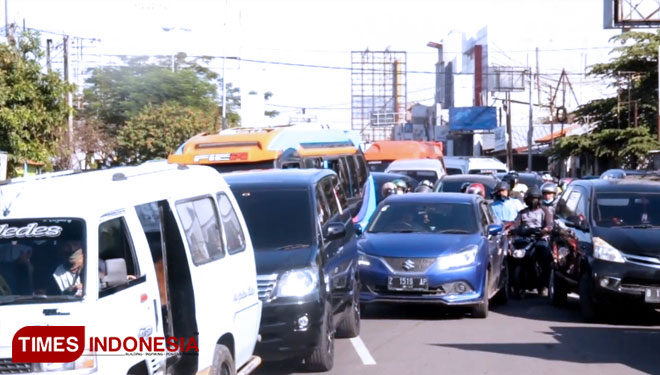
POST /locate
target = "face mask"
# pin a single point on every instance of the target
(548, 201)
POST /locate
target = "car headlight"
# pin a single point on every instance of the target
(465, 257)
(520, 253)
(605, 251)
(363, 260)
(86, 361)
(297, 283)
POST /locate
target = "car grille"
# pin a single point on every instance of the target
(643, 260)
(266, 286)
(8, 367)
(409, 264)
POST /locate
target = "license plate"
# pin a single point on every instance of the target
(652, 295)
(407, 283)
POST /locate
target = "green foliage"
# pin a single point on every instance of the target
(33, 108)
(156, 131)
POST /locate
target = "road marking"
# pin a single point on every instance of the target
(362, 351)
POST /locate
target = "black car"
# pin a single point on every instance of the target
(380, 178)
(306, 255)
(453, 183)
(529, 179)
(607, 243)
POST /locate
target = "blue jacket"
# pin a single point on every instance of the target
(505, 209)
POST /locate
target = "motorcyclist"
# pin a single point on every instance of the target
(388, 189)
(537, 218)
(549, 191)
(423, 189)
(503, 207)
(477, 188)
(464, 187)
(427, 183)
(401, 186)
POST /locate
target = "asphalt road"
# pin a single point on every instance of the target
(529, 337)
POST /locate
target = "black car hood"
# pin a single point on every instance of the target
(632, 241)
(278, 261)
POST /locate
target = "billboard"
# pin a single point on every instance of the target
(472, 118)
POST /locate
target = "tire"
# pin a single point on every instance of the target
(223, 362)
(350, 325)
(502, 296)
(517, 287)
(557, 290)
(480, 311)
(323, 357)
(588, 307)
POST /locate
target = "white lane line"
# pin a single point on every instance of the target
(362, 351)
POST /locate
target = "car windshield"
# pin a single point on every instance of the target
(627, 209)
(406, 217)
(277, 219)
(419, 175)
(41, 260)
(454, 186)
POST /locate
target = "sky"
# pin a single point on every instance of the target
(568, 33)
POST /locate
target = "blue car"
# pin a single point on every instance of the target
(444, 248)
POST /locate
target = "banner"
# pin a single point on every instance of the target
(472, 118)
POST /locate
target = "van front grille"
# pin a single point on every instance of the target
(266, 286)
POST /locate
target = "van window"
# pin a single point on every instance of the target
(231, 226)
(339, 166)
(361, 171)
(454, 171)
(322, 209)
(568, 206)
(340, 194)
(329, 194)
(202, 228)
(115, 244)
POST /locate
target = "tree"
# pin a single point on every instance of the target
(156, 131)
(33, 107)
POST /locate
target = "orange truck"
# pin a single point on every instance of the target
(380, 154)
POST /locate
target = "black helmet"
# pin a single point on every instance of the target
(423, 189)
(512, 178)
(465, 186)
(502, 185)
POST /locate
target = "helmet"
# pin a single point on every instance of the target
(465, 186)
(427, 183)
(421, 188)
(477, 188)
(499, 187)
(520, 188)
(533, 197)
(549, 187)
(512, 178)
(547, 177)
(401, 185)
(388, 189)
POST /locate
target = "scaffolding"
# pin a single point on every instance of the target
(378, 93)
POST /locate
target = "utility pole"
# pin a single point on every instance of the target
(538, 78)
(530, 131)
(509, 145)
(69, 95)
(224, 78)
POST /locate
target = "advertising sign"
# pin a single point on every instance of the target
(472, 118)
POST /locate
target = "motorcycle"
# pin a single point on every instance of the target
(524, 268)
(566, 265)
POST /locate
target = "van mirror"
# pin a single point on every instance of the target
(334, 231)
(576, 221)
(116, 273)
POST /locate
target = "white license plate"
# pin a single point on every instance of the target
(652, 295)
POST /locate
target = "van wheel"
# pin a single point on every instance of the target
(558, 292)
(223, 362)
(350, 325)
(323, 357)
(588, 307)
(480, 311)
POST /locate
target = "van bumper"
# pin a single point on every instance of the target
(283, 332)
(616, 282)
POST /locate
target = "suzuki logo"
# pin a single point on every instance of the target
(408, 265)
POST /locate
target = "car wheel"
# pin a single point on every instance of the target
(323, 357)
(558, 292)
(480, 310)
(502, 296)
(223, 362)
(588, 307)
(350, 325)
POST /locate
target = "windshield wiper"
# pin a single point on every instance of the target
(454, 231)
(7, 300)
(292, 246)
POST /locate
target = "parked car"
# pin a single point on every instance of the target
(474, 165)
(433, 248)
(621, 173)
(306, 256)
(453, 183)
(529, 179)
(164, 252)
(419, 169)
(606, 245)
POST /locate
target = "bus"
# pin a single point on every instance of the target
(289, 146)
(380, 154)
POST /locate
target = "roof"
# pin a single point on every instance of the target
(95, 193)
(481, 178)
(622, 185)
(394, 150)
(293, 178)
(415, 164)
(558, 134)
(433, 198)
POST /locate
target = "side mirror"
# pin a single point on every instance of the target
(334, 231)
(576, 221)
(494, 229)
(116, 273)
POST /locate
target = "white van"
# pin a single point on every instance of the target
(474, 165)
(154, 251)
(419, 169)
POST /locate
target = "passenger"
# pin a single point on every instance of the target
(423, 189)
(535, 216)
(464, 187)
(427, 183)
(388, 189)
(68, 274)
(477, 188)
(504, 208)
(401, 186)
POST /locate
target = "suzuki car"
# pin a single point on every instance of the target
(433, 248)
